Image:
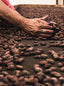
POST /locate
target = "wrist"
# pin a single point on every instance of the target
(23, 22)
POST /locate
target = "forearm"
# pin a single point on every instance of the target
(10, 15)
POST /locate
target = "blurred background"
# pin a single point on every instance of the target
(42, 2)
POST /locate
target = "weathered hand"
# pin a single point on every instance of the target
(38, 26)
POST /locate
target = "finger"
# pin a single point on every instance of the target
(45, 26)
(45, 35)
(52, 22)
(46, 31)
(45, 17)
(42, 22)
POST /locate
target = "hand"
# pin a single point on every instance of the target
(38, 26)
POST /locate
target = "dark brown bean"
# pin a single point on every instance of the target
(19, 67)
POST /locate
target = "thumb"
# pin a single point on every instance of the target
(45, 17)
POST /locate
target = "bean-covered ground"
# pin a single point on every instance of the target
(32, 61)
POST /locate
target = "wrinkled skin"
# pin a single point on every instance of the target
(35, 27)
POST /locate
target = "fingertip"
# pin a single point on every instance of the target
(52, 31)
(45, 17)
(50, 27)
